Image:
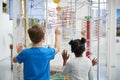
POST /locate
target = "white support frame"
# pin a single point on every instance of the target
(111, 40)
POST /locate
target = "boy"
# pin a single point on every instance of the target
(36, 59)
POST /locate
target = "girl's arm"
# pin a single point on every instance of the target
(65, 57)
(66, 66)
(90, 74)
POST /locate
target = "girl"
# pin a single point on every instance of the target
(80, 67)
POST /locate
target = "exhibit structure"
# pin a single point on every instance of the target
(96, 20)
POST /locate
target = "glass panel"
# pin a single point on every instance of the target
(98, 0)
(98, 37)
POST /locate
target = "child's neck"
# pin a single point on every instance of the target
(79, 55)
(37, 45)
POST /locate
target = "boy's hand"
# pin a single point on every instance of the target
(19, 47)
(57, 31)
(65, 57)
(57, 39)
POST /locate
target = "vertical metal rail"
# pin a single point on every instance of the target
(75, 14)
(89, 7)
(24, 20)
(46, 13)
(46, 20)
(98, 54)
(108, 40)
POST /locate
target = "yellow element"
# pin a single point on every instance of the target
(56, 1)
(66, 77)
(58, 8)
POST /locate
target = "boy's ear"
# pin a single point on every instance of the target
(43, 39)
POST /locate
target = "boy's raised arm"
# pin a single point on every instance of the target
(57, 39)
(19, 49)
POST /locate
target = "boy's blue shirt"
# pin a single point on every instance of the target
(36, 62)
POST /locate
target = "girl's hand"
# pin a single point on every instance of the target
(94, 61)
(65, 56)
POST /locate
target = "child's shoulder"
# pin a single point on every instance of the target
(86, 58)
(26, 49)
(37, 48)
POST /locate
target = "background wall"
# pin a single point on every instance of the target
(113, 47)
(5, 30)
(117, 48)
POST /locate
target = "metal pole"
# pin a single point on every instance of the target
(75, 11)
(108, 40)
(11, 49)
(98, 54)
(46, 21)
(24, 21)
(46, 12)
(75, 21)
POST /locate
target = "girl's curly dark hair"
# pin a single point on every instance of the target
(78, 46)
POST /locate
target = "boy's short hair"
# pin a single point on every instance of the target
(36, 33)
